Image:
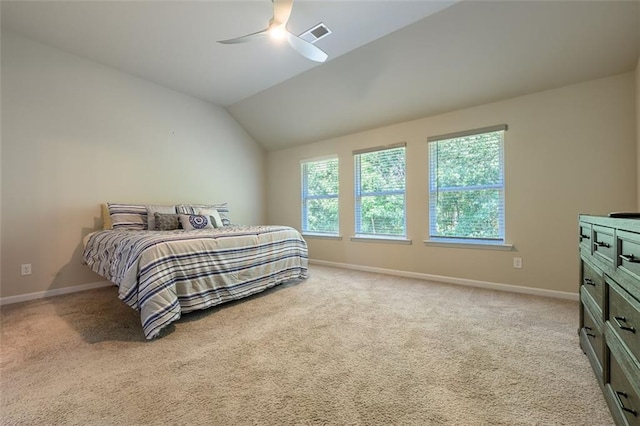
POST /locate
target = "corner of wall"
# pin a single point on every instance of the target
(638, 117)
(1, 185)
(91, 117)
(638, 133)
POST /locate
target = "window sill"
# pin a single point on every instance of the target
(379, 239)
(470, 244)
(322, 236)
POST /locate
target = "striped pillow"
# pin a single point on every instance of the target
(223, 210)
(128, 216)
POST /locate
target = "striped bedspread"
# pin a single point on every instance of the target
(164, 273)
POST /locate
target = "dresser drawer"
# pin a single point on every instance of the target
(624, 317)
(610, 309)
(593, 283)
(593, 341)
(584, 234)
(603, 243)
(629, 253)
(625, 398)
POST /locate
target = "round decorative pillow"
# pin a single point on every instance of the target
(198, 221)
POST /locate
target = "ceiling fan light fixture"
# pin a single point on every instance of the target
(277, 28)
(278, 32)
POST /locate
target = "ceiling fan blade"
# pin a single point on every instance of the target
(306, 49)
(246, 38)
(281, 11)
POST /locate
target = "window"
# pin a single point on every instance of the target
(380, 191)
(466, 188)
(320, 196)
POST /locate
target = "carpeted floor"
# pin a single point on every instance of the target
(341, 348)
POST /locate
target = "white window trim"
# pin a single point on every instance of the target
(302, 198)
(322, 236)
(369, 238)
(461, 242)
(469, 244)
(357, 194)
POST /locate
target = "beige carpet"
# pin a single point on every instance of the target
(341, 348)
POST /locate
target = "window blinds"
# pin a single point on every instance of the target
(380, 191)
(320, 196)
(467, 185)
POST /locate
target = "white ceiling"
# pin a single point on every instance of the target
(389, 60)
(173, 43)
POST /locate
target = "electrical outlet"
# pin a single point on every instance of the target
(26, 269)
(517, 262)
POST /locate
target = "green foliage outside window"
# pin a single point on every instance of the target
(380, 192)
(466, 187)
(466, 190)
(320, 196)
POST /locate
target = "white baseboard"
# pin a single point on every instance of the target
(451, 280)
(55, 292)
(428, 277)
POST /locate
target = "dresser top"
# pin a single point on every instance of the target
(627, 224)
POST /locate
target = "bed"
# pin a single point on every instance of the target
(164, 273)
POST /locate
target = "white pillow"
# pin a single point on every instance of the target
(223, 210)
(215, 216)
(192, 222)
(152, 210)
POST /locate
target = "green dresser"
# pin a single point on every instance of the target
(610, 310)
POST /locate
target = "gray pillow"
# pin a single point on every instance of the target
(152, 210)
(166, 222)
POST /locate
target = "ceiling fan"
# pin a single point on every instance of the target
(277, 28)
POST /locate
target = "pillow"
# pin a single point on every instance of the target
(152, 210)
(128, 216)
(166, 221)
(216, 220)
(106, 218)
(223, 210)
(195, 221)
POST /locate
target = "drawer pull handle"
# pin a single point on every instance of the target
(587, 332)
(628, 410)
(630, 258)
(589, 281)
(601, 244)
(586, 237)
(618, 320)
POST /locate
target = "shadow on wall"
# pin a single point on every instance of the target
(74, 272)
(97, 315)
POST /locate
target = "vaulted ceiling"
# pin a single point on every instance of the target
(389, 61)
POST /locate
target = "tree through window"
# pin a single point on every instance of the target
(320, 196)
(466, 185)
(380, 192)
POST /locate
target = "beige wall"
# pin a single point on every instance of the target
(76, 134)
(567, 151)
(638, 125)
